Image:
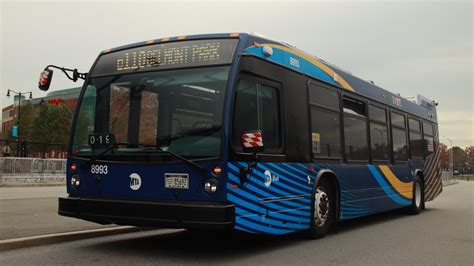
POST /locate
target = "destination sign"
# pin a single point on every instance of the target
(167, 56)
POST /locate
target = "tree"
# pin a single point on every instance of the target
(51, 125)
(469, 157)
(59, 124)
(459, 158)
(444, 156)
(39, 126)
(28, 114)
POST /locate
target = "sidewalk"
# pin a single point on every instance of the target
(31, 211)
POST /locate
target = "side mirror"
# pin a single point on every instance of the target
(45, 79)
(252, 142)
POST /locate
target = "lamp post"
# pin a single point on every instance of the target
(451, 154)
(19, 111)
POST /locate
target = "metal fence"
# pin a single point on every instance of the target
(32, 169)
(447, 176)
(15, 148)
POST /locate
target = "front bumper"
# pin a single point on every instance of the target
(149, 213)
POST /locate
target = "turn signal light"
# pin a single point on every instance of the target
(73, 167)
(217, 170)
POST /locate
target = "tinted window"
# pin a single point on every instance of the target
(354, 107)
(355, 132)
(377, 114)
(398, 120)
(427, 129)
(429, 145)
(400, 150)
(323, 96)
(257, 108)
(416, 145)
(379, 141)
(326, 141)
(414, 124)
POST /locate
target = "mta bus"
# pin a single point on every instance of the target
(237, 131)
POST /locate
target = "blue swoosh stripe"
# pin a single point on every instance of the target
(250, 205)
(269, 192)
(261, 228)
(255, 191)
(303, 182)
(282, 189)
(246, 229)
(387, 188)
(300, 213)
(296, 170)
(296, 191)
(242, 209)
(279, 224)
(281, 185)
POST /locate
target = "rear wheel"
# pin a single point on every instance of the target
(322, 209)
(417, 201)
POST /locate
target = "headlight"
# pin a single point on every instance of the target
(211, 185)
(75, 181)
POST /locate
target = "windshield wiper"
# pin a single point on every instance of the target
(193, 132)
(94, 158)
(182, 158)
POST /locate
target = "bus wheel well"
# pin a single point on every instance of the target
(332, 180)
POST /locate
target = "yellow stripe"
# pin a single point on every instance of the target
(405, 189)
(315, 62)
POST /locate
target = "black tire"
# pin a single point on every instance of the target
(417, 202)
(320, 226)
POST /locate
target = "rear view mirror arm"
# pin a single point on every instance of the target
(74, 76)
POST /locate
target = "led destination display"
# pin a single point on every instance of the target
(166, 56)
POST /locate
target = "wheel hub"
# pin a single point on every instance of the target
(417, 194)
(321, 207)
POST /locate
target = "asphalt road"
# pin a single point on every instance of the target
(442, 235)
(31, 211)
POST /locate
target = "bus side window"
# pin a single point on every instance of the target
(325, 138)
(428, 137)
(378, 134)
(355, 129)
(257, 108)
(416, 145)
(399, 137)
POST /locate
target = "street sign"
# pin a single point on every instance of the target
(15, 131)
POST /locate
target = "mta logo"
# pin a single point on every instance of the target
(135, 181)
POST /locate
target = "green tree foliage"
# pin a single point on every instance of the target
(444, 156)
(469, 157)
(52, 125)
(28, 114)
(59, 124)
(39, 127)
(459, 158)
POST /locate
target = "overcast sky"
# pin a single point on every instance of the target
(408, 48)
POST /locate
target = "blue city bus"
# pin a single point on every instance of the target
(237, 131)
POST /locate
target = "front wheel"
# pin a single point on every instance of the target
(417, 200)
(322, 209)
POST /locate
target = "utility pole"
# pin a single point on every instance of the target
(19, 116)
(451, 155)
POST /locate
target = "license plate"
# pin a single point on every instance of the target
(180, 181)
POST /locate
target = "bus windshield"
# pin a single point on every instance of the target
(177, 111)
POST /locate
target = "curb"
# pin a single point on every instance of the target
(32, 241)
(445, 184)
(32, 184)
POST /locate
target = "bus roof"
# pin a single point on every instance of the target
(291, 57)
